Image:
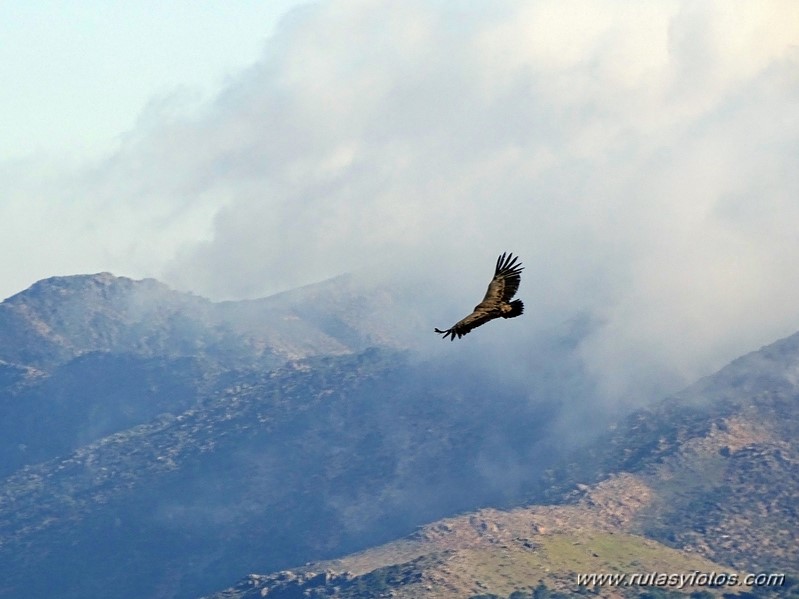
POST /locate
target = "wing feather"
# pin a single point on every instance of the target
(503, 286)
(463, 326)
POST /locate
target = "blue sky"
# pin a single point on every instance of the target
(78, 74)
(639, 157)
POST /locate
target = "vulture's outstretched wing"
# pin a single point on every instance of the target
(505, 284)
(460, 328)
(496, 303)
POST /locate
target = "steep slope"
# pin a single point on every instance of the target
(721, 459)
(707, 480)
(85, 356)
(318, 458)
(61, 318)
(159, 444)
(92, 396)
(163, 445)
(496, 552)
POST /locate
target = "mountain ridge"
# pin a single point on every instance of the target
(704, 480)
(66, 316)
(162, 445)
(87, 355)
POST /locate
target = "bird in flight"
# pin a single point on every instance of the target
(496, 303)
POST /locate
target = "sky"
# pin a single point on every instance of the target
(639, 157)
(78, 74)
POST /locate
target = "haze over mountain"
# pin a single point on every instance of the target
(162, 445)
(639, 158)
(129, 350)
(639, 161)
(159, 443)
(706, 481)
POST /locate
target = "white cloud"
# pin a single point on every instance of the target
(640, 158)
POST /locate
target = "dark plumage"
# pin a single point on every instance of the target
(496, 302)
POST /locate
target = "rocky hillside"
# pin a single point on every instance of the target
(86, 356)
(721, 459)
(306, 462)
(155, 444)
(704, 481)
(61, 318)
(496, 553)
(152, 447)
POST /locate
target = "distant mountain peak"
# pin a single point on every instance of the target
(84, 283)
(60, 318)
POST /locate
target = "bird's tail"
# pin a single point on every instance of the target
(517, 308)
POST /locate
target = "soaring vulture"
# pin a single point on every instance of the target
(496, 302)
